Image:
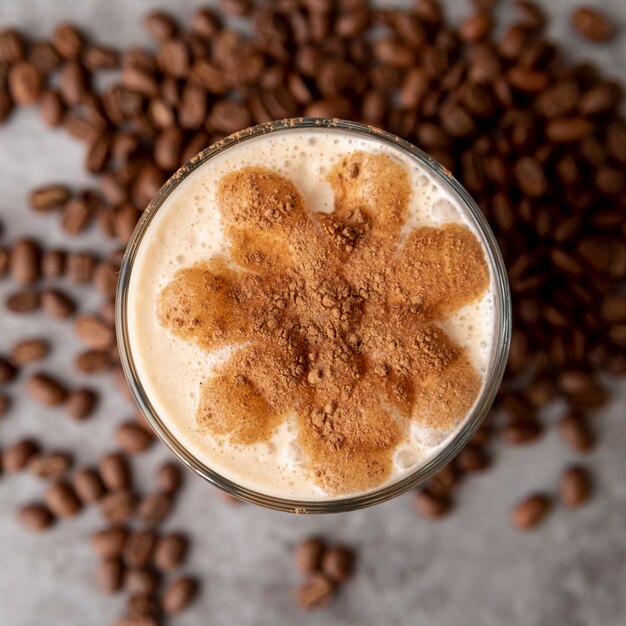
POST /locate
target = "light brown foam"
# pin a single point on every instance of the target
(335, 316)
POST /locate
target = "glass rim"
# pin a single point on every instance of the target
(472, 421)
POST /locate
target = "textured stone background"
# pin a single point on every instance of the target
(471, 569)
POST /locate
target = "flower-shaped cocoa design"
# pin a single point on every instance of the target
(335, 316)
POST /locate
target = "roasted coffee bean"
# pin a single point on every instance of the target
(592, 24)
(576, 433)
(35, 517)
(17, 456)
(521, 431)
(178, 594)
(97, 57)
(11, 47)
(79, 267)
(530, 512)
(8, 371)
(51, 108)
(472, 458)
(154, 508)
(46, 390)
(50, 465)
(81, 403)
(25, 262)
(132, 438)
(141, 581)
(138, 548)
(141, 605)
(308, 554)
(575, 487)
(88, 485)
(315, 593)
(57, 304)
(110, 575)
(115, 471)
(118, 507)
(93, 362)
(23, 301)
(109, 543)
(61, 500)
(170, 552)
(53, 263)
(169, 477)
(430, 505)
(25, 82)
(68, 41)
(44, 199)
(337, 564)
(93, 332)
(160, 25)
(29, 351)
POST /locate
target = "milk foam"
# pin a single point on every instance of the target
(187, 229)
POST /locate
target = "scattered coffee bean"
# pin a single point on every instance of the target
(576, 433)
(136, 620)
(93, 362)
(81, 403)
(110, 574)
(115, 471)
(132, 438)
(46, 390)
(93, 332)
(592, 24)
(575, 487)
(337, 564)
(25, 261)
(178, 594)
(315, 593)
(50, 465)
(25, 301)
(57, 304)
(430, 505)
(48, 198)
(8, 371)
(154, 508)
(138, 548)
(61, 500)
(29, 351)
(141, 581)
(308, 554)
(169, 477)
(88, 485)
(142, 605)
(530, 512)
(472, 458)
(17, 456)
(35, 517)
(118, 507)
(170, 552)
(109, 543)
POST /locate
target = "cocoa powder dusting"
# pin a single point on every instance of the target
(335, 316)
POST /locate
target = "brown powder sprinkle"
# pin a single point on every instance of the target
(335, 316)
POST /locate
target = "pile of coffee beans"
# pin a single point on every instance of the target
(539, 141)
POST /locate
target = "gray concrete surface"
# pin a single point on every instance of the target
(470, 570)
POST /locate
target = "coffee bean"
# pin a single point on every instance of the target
(5, 404)
(337, 564)
(81, 403)
(575, 487)
(76, 216)
(141, 581)
(576, 433)
(61, 500)
(110, 574)
(17, 456)
(50, 465)
(29, 351)
(46, 390)
(430, 505)
(23, 301)
(205, 22)
(8, 371)
(141, 605)
(93, 332)
(154, 508)
(109, 543)
(35, 517)
(25, 261)
(178, 594)
(530, 512)
(93, 362)
(118, 507)
(115, 471)
(80, 266)
(57, 304)
(132, 438)
(25, 83)
(11, 47)
(170, 552)
(68, 41)
(88, 485)
(160, 25)
(521, 431)
(308, 554)
(476, 27)
(51, 108)
(169, 477)
(530, 177)
(315, 593)
(138, 548)
(472, 458)
(97, 57)
(72, 83)
(592, 24)
(48, 198)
